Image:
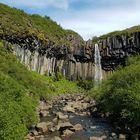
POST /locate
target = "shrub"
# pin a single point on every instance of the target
(120, 95)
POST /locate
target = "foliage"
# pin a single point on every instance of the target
(19, 24)
(128, 32)
(120, 95)
(86, 84)
(20, 91)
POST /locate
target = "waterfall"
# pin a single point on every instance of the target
(98, 70)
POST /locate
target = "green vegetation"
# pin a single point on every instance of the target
(128, 32)
(119, 96)
(86, 84)
(20, 91)
(17, 23)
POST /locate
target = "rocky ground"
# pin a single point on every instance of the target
(68, 117)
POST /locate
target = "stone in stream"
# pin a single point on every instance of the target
(40, 137)
(55, 120)
(67, 132)
(104, 137)
(44, 106)
(56, 138)
(61, 116)
(42, 127)
(44, 113)
(34, 133)
(122, 137)
(68, 108)
(78, 127)
(63, 126)
(96, 138)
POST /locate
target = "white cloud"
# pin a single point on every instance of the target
(62, 4)
(100, 21)
(117, 15)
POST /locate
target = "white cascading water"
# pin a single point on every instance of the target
(98, 69)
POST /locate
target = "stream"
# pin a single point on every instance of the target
(68, 117)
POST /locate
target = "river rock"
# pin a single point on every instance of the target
(44, 113)
(96, 138)
(67, 132)
(55, 120)
(42, 127)
(122, 137)
(40, 137)
(78, 127)
(63, 126)
(56, 138)
(61, 116)
(34, 133)
(104, 137)
(68, 108)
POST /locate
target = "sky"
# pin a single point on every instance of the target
(87, 17)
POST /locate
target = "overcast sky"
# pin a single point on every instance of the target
(87, 17)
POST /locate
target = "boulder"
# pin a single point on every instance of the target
(67, 132)
(56, 138)
(44, 113)
(78, 127)
(104, 137)
(61, 116)
(68, 108)
(42, 127)
(122, 137)
(96, 138)
(63, 126)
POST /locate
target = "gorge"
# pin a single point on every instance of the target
(48, 77)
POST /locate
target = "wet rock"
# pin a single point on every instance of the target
(78, 127)
(29, 137)
(61, 116)
(67, 132)
(93, 127)
(44, 113)
(42, 127)
(104, 137)
(122, 137)
(63, 126)
(56, 138)
(68, 108)
(96, 138)
(34, 133)
(55, 120)
(41, 137)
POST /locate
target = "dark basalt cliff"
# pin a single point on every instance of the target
(115, 50)
(47, 48)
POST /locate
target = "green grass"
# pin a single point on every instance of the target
(127, 31)
(120, 95)
(18, 24)
(20, 91)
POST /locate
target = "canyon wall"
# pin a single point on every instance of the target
(77, 63)
(115, 50)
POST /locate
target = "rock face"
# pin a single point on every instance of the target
(114, 50)
(77, 62)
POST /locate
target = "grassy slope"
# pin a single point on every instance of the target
(17, 23)
(20, 91)
(120, 95)
(115, 33)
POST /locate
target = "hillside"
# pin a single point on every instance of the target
(127, 31)
(118, 97)
(17, 25)
(20, 92)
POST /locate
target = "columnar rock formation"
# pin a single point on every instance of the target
(77, 62)
(115, 50)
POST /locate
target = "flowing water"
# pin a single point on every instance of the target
(93, 126)
(98, 69)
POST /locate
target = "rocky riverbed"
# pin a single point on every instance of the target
(68, 117)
